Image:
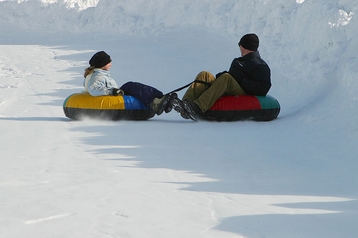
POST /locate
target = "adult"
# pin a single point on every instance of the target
(248, 75)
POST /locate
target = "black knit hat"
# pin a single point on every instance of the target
(250, 42)
(100, 59)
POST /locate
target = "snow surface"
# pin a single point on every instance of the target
(292, 177)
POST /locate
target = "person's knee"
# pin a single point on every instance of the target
(204, 74)
(225, 77)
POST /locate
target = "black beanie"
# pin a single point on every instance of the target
(100, 59)
(250, 42)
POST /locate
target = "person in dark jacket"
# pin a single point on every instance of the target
(248, 75)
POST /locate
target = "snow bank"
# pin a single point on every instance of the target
(311, 45)
(76, 4)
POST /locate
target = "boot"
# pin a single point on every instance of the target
(179, 106)
(192, 108)
(170, 103)
(163, 104)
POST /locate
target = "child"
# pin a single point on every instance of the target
(98, 82)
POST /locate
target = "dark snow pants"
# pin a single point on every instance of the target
(144, 93)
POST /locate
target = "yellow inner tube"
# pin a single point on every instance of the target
(86, 101)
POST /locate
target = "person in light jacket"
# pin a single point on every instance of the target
(98, 82)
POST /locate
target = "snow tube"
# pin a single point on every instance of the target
(82, 105)
(233, 108)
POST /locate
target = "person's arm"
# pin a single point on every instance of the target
(97, 86)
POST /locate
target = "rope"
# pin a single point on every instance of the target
(187, 85)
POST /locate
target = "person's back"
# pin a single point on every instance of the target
(99, 83)
(252, 73)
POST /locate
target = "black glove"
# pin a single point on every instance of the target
(117, 92)
(219, 74)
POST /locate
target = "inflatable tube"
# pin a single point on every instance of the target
(233, 108)
(82, 105)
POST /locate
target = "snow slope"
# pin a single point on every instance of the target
(169, 177)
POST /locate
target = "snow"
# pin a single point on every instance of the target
(295, 176)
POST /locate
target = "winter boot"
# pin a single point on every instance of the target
(179, 106)
(170, 103)
(192, 108)
(160, 104)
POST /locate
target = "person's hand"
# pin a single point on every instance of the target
(219, 74)
(117, 92)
